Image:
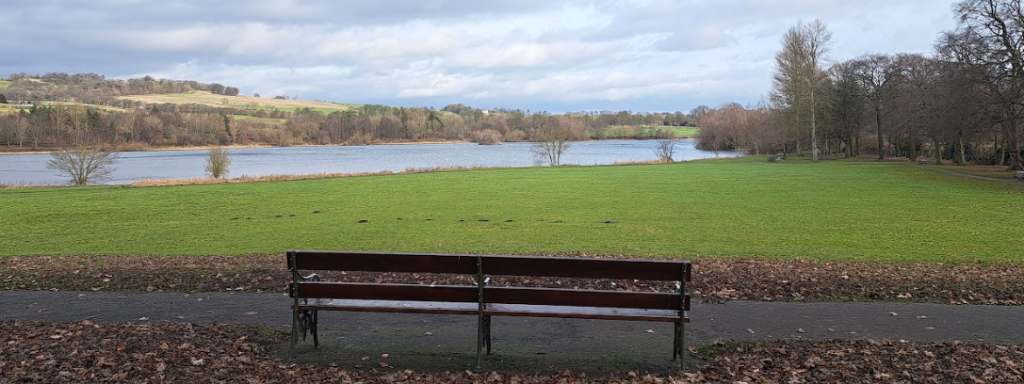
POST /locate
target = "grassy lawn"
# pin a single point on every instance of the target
(838, 210)
(4, 84)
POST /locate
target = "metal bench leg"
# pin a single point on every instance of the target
(316, 335)
(675, 341)
(295, 333)
(681, 345)
(487, 333)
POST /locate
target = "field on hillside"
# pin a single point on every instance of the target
(10, 108)
(245, 102)
(857, 210)
(4, 84)
(629, 132)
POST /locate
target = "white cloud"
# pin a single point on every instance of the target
(530, 54)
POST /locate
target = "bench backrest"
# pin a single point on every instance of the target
(483, 266)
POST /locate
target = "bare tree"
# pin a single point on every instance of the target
(217, 162)
(666, 149)
(990, 35)
(876, 73)
(554, 137)
(550, 150)
(799, 75)
(83, 163)
(846, 108)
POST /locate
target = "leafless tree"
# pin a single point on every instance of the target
(846, 106)
(799, 76)
(550, 150)
(666, 149)
(876, 74)
(83, 163)
(554, 136)
(217, 162)
(990, 35)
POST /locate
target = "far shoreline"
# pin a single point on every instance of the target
(7, 151)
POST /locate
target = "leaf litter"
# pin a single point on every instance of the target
(238, 353)
(715, 280)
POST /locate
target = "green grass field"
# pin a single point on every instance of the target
(4, 84)
(264, 120)
(838, 210)
(243, 102)
(10, 108)
(628, 132)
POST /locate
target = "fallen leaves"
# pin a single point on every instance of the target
(714, 280)
(242, 353)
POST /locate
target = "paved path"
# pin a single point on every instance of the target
(532, 342)
(958, 174)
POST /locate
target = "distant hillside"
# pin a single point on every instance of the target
(55, 109)
(241, 102)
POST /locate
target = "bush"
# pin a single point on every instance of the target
(486, 137)
(217, 162)
(83, 163)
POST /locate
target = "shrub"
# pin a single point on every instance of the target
(217, 162)
(83, 163)
(486, 137)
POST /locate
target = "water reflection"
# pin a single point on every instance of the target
(159, 165)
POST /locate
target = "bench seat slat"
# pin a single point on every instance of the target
(395, 306)
(391, 306)
(413, 292)
(582, 312)
(582, 298)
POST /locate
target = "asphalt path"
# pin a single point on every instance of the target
(447, 342)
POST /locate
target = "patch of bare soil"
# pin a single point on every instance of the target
(86, 352)
(714, 280)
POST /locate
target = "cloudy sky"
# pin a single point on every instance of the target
(574, 55)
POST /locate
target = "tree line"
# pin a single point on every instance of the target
(55, 124)
(86, 108)
(962, 102)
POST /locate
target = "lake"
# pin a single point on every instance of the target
(182, 164)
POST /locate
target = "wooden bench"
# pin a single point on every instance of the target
(476, 294)
(1018, 175)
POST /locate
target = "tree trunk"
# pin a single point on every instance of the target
(814, 130)
(961, 158)
(1016, 163)
(938, 151)
(913, 148)
(878, 127)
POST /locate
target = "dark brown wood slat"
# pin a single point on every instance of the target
(392, 306)
(411, 292)
(582, 312)
(586, 316)
(570, 297)
(584, 268)
(384, 262)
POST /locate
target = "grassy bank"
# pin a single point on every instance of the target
(743, 207)
(631, 132)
